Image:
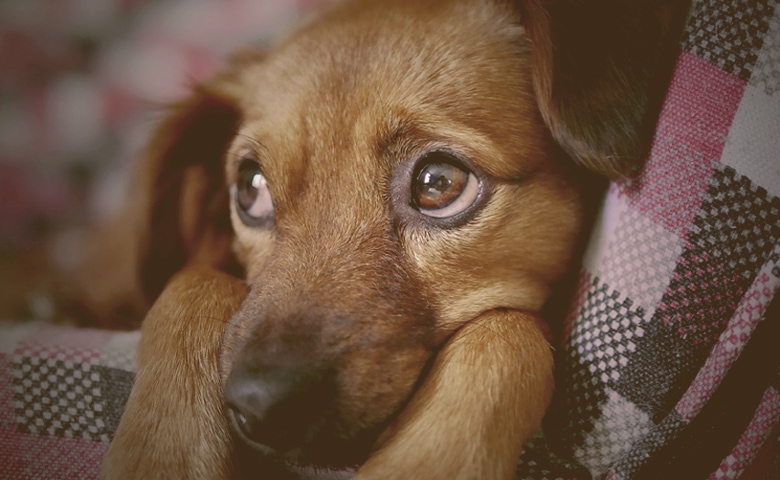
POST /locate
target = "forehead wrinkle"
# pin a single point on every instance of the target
(339, 180)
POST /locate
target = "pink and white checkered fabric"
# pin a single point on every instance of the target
(62, 392)
(669, 365)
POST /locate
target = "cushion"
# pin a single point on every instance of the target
(668, 366)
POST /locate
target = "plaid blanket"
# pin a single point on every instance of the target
(669, 366)
(669, 362)
(62, 392)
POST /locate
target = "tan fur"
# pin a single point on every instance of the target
(174, 424)
(430, 334)
(445, 276)
(452, 428)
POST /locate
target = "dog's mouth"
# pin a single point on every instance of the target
(291, 417)
(302, 444)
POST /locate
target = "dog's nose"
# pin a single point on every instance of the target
(275, 407)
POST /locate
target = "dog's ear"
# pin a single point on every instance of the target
(176, 211)
(186, 216)
(186, 203)
(600, 71)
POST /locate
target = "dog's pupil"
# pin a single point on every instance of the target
(439, 184)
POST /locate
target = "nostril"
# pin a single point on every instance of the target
(274, 407)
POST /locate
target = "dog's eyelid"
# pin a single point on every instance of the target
(250, 144)
(518, 179)
(246, 147)
(238, 159)
(245, 154)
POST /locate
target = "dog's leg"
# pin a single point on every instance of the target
(174, 425)
(484, 396)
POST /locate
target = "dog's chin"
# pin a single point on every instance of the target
(322, 452)
(336, 456)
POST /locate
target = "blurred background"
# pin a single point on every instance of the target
(81, 84)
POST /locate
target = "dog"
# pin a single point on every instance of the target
(348, 242)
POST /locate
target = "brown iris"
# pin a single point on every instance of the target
(442, 187)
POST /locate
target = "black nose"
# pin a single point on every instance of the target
(276, 407)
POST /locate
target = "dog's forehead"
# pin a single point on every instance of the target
(357, 80)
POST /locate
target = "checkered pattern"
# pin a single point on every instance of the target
(640, 257)
(730, 33)
(669, 366)
(766, 72)
(62, 391)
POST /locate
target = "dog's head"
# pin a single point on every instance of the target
(385, 175)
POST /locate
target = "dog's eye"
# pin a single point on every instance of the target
(252, 197)
(442, 187)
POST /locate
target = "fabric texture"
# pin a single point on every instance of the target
(669, 363)
(62, 393)
(669, 366)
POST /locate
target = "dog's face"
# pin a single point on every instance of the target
(384, 176)
(391, 179)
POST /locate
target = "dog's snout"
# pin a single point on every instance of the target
(275, 407)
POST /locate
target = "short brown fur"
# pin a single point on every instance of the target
(429, 333)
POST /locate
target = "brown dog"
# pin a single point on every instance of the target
(395, 185)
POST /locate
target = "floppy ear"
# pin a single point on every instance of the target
(600, 70)
(186, 216)
(176, 212)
